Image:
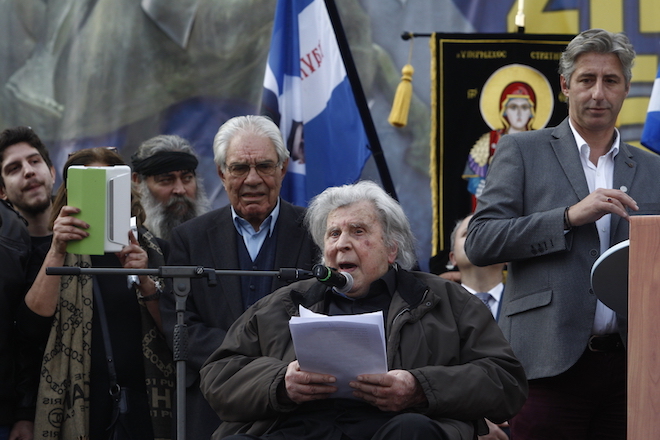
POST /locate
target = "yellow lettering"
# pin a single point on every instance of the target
(648, 16)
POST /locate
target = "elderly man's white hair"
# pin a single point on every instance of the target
(396, 228)
(250, 124)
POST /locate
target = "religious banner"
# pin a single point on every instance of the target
(483, 87)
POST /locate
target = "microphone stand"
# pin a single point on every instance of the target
(181, 276)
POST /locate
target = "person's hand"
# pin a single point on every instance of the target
(67, 228)
(302, 386)
(133, 256)
(395, 390)
(22, 430)
(495, 431)
(599, 203)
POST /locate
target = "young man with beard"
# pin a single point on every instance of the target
(164, 174)
(27, 177)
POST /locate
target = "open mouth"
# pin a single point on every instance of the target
(347, 267)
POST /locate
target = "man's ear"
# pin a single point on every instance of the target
(3, 194)
(135, 177)
(392, 254)
(564, 85)
(452, 258)
(285, 166)
(221, 173)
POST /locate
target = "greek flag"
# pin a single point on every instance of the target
(308, 94)
(651, 133)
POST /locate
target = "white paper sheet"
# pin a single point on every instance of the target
(343, 346)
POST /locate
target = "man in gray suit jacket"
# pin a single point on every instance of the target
(257, 231)
(554, 200)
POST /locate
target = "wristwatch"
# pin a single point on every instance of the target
(154, 296)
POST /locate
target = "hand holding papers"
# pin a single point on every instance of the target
(343, 346)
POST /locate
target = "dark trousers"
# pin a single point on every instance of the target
(401, 427)
(587, 402)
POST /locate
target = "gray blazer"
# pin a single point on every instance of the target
(211, 241)
(548, 311)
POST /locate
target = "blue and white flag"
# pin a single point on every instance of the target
(308, 94)
(651, 133)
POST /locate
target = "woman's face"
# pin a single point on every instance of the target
(518, 111)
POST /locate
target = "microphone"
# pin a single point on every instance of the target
(341, 281)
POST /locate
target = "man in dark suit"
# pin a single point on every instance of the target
(257, 231)
(484, 281)
(554, 200)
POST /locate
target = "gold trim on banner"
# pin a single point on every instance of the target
(436, 195)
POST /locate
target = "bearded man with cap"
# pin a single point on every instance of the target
(164, 175)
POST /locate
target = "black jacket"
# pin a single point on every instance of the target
(14, 254)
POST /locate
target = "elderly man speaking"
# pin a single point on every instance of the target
(449, 364)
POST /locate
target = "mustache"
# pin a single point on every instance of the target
(179, 204)
(33, 182)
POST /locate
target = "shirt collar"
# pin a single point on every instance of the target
(495, 292)
(243, 225)
(580, 142)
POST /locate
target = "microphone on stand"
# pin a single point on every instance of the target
(341, 281)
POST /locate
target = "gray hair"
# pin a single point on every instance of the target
(250, 124)
(163, 142)
(396, 227)
(598, 41)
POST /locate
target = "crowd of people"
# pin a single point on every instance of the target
(518, 348)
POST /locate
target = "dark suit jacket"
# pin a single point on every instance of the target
(548, 310)
(211, 241)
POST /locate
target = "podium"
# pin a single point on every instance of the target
(626, 278)
(644, 328)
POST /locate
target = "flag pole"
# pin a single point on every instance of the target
(360, 100)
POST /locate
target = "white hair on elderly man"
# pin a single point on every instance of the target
(396, 226)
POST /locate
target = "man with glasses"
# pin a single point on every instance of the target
(256, 231)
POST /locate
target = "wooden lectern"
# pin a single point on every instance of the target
(644, 328)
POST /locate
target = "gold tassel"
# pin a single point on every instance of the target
(401, 106)
(403, 96)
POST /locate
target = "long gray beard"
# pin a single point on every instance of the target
(162, 218)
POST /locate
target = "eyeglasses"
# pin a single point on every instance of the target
(242, 169)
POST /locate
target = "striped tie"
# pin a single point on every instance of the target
(484, 296)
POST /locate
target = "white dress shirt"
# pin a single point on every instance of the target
(496, 297)
(600, 176)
